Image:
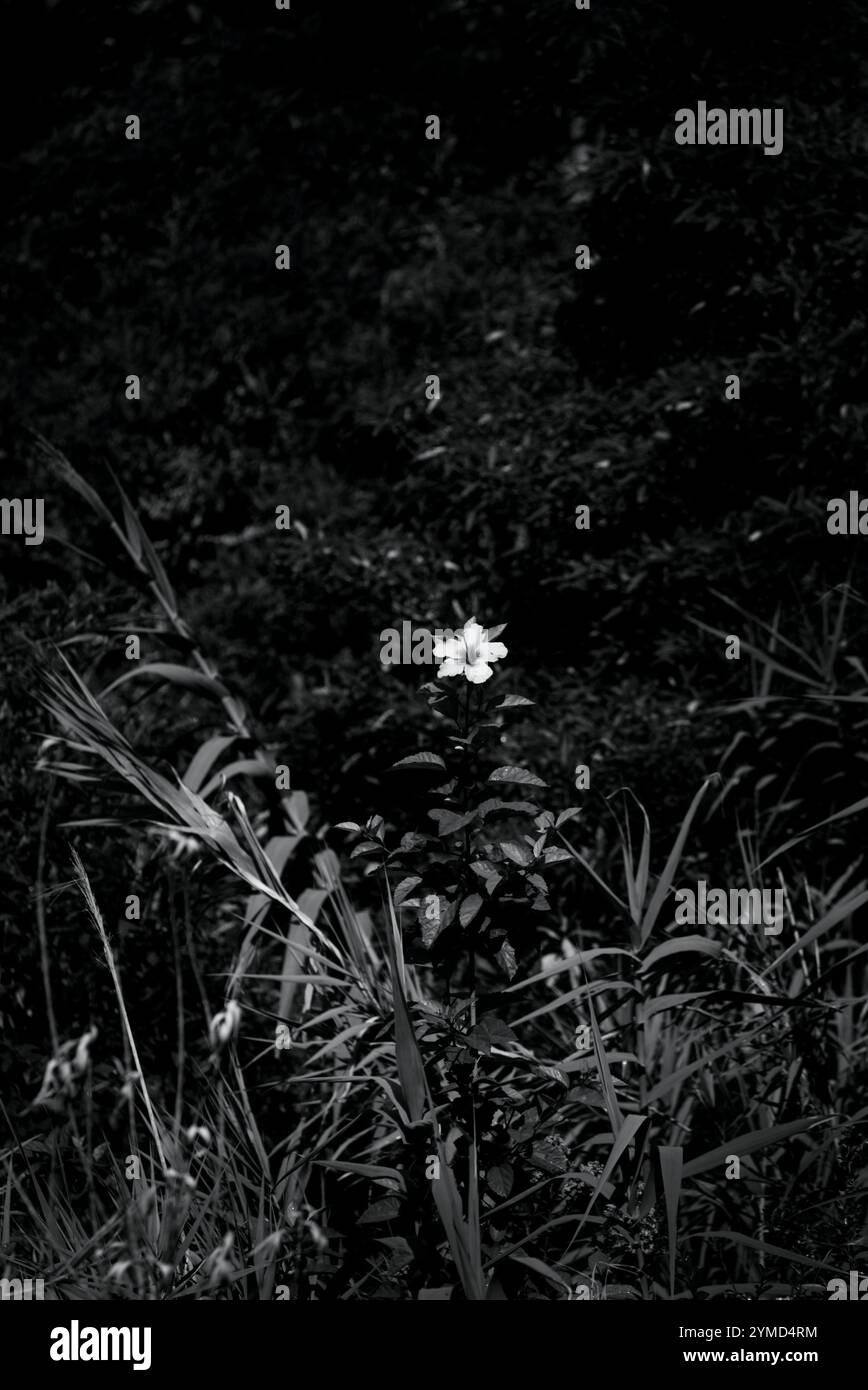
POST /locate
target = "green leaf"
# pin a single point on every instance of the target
(507, 808)
(422, 760)
(205, 759)
(500, 1179)
(516, 774)
(432, 918)
(247, 767)
(776, 1250)
(297, 808)
(448, 822)
(555, 855)
(671, 1163)
(548, 1158)
(469, 909)
(411, 1072)
(630, 1126)
(512, 701)
(484, 868)
(412, 841)
(700, 944)
(489, 1032)
(747, 1143)
(175, 675)
(367, 848)
(665, 881)
(387, 1209)
(519, 854)
(506, 960)
(405, 888)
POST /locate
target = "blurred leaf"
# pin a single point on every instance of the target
(204, 759)
(176, 675)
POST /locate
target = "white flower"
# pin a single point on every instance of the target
(226, 1024)
(469, 653)
(196, 1133)
(82, 1051)
(65, 1069)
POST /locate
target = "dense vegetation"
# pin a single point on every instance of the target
(431, 1116)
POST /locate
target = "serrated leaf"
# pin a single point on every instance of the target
(516, 774)
(500, 1179)
(421, 760)
(548, 1157)
(511, 701)
(431, 918)
(412, 841)
(469, 909)
(489, 1032)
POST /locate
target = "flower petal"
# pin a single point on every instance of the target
(474, 637)
(494, 651)
(478, 672)
(450, 648)
(451, 667)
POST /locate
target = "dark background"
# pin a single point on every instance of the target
(455, 257)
